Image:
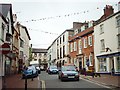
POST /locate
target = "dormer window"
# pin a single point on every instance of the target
(76, 31)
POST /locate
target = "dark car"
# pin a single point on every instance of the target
(52, 70)
(68, 72)
(30, 72)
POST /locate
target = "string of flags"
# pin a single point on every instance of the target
(66, 15)
(44, 31)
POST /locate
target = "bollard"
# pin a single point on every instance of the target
(25, 82)
(32, 76)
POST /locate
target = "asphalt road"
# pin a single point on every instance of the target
(52, 81)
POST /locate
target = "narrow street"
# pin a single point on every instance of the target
(52, 81)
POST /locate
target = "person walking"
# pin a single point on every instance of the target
(84, 70)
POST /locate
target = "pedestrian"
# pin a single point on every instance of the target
(93, 74)
(84, 70)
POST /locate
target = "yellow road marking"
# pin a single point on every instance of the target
(43, 84)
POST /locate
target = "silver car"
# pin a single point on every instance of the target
(68, 73)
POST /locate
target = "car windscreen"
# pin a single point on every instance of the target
(68, 68)
(53, 67)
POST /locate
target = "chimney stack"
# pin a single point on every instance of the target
(108, 10)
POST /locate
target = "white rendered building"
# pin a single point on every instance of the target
(107, 45)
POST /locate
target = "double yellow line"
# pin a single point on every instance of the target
(43, 84)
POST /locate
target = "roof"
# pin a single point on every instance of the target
(37, 50)
(4, 9)
(98, 22)
(26, 31)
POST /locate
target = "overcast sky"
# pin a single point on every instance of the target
(47, 19)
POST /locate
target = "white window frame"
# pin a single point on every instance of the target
(90, 59)
(75, 46)
(101, 28)
(85, 42)
(90, 40)
(71, 47)
(118, 21)
(80, 44)
(103, 64)
(102, 45)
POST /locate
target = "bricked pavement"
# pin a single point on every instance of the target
(15, 81)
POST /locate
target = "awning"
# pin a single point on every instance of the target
(109, 55)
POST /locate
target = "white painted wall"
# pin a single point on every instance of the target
(109, 36)
(25, 49)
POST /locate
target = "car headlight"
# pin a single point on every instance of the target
(76, 74)
(65, 74)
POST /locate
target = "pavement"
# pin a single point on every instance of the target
(108, 81)
(14, 82)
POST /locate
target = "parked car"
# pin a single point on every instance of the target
(38, 69)
(68, 72)
(52, 70)
(30, 72)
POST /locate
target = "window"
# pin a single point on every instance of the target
(21, 54)
(75, 46)
(63, 38)
(60, 53)
(118, 21)
(90, 59)
(60, 40)
(103, 65)
(21, 43)
(118, 63)
(80, 44)
(119, 41)
(102, 45)
(40, 54)
(71, 47)
(2, 32)
(57, 42)
(101, 28)
(44, 54)
(85, 42)
(63, 51)
(90, 40)
(57, 53)
(40, 61)
(75, 31)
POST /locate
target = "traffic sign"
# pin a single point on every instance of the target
(5, 48)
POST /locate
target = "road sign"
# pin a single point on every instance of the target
(5, 48)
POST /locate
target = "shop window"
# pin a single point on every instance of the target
(103, 66)
(118, 64)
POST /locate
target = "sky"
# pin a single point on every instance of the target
(47, 19)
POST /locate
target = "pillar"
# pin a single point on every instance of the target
(115, 64)
(108, 60)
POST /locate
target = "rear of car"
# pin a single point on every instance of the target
(68, 73)
(52, 70)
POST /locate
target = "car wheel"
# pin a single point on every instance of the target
(77, 79)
